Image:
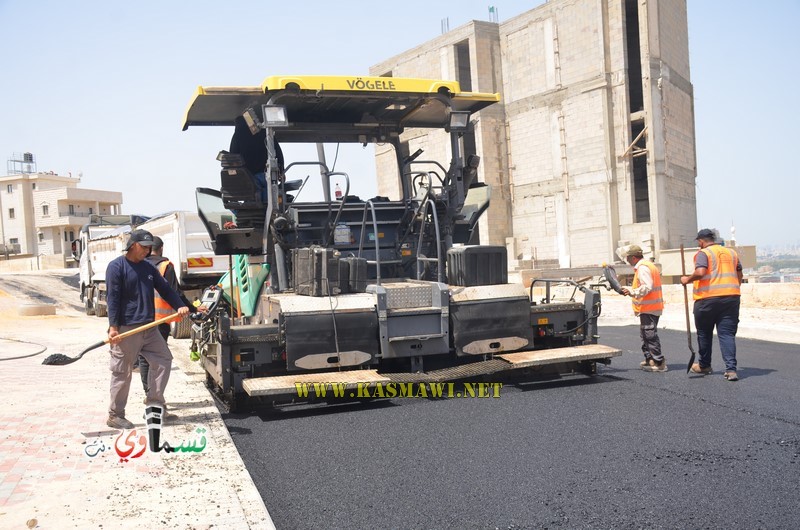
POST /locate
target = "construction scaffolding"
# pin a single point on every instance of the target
(21, 164)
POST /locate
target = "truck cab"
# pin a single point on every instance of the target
(97, 244)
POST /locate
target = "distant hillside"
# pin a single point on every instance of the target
(778, 262)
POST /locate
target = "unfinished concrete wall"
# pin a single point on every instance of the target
(669, 97)
(444, 57)
(560, 110)
(580, 81)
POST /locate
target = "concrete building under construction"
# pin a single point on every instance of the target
(593, 143)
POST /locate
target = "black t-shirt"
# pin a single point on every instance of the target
(252, 147)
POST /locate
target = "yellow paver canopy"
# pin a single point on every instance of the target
(367, 105)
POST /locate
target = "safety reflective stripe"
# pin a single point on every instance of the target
(652, 301)
(199, 262)
(722, 278)
(162, 306)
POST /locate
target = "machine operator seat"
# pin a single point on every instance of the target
(293, 185)
(238, 186)
(476, 203)
(470, 171)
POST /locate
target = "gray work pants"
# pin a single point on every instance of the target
(648, 331)
(153, 347)
(144, 367)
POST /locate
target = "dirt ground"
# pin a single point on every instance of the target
(58, 288)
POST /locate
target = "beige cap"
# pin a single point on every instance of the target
(634, 250)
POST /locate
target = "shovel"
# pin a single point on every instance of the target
(686, 306)
(60, 359)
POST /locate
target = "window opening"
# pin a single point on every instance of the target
(641, 193)
(634, 55)
(463, 71)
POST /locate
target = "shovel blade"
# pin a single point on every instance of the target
(59, 359)
(691, 361)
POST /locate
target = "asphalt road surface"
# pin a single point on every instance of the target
(625, 449)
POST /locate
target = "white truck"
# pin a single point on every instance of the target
(186, 244)
(99, 241)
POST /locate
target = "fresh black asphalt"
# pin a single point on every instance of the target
(624, 449)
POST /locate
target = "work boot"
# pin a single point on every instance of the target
(653, 366)
(730, 375)
(697, 369)
(118, 422)
(645, 363)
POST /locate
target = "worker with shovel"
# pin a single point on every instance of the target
(716, 291)
(648, 304)
(131, 282)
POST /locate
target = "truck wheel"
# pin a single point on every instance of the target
(181, 328)
(88, 305)
(99, 309)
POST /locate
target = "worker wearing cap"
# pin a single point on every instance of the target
(130, 282)
(648, 305)
(162, 306)
(716, 291)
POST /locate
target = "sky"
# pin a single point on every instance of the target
(99, 89)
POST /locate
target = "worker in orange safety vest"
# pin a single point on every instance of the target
(716, 291)
(648, 304)
(167, 270)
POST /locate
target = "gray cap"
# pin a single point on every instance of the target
(706, 233)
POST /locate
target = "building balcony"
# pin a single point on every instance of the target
(58, 207)
(63, 219)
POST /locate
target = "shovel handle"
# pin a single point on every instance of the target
(153, 324)
(686, 302)
(686, 306)
(686, 296)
